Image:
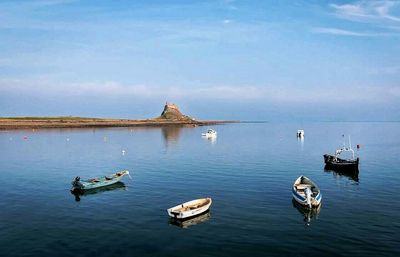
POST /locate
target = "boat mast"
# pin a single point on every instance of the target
(350, 147)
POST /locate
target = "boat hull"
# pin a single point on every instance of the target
(85, 185)
(185, 210)
(340, 164)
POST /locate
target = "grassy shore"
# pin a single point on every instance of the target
(85, 122)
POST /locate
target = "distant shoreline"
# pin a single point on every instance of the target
(13, 123)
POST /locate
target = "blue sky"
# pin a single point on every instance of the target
(220, 59)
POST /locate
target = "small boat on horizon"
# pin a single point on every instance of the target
(306, 192)
(300, 133)
(190, 209)
(333, 162)
(79, 185)
(210, 133)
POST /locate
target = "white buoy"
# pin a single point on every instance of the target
(67, 139)
(123, 152)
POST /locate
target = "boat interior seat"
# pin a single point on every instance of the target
(108, 178)
(303, 186)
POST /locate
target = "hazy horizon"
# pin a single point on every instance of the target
(221, 59)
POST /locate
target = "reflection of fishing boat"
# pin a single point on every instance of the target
(205, 216)
(333, 162)
(210, 133)
(308, 213)
(190, 209)
(79, 185)
(350, 173)
(115, 186)
(300, 133)
(306, 192)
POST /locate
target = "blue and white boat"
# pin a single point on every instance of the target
(306, 192)
(79, 185)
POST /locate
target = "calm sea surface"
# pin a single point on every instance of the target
(248, 171)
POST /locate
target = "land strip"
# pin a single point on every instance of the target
(7, 123)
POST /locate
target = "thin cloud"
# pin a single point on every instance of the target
(368, 11)
(343, 32)
(246, 93)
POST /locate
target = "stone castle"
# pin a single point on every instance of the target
(171, 112)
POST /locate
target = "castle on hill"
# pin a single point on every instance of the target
(171, 112)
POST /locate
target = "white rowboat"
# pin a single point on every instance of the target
(190, 209)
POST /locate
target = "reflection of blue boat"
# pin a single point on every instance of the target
(115, 186)
(79, 185)
(308, 213)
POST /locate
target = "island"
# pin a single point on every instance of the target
(171, 115)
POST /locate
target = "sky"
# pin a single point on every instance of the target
(271, 60)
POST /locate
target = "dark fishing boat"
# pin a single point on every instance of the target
(334, 162)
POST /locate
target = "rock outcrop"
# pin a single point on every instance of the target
(171, 112)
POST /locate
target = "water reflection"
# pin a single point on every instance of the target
(190, 222)
(307, 213)
(171, 134)
(351, 174)
(301, 140)
(212, 140)
(116, 186)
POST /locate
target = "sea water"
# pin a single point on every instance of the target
(248, 171)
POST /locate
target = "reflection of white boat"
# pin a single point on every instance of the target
(190, 209)
(190, 222)
(210, 133)
(306, 192)
(300, 133)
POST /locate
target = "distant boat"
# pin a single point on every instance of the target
(79, 185)
(306, 192)
(210, 133)
(333, 162)
(190, 209)
(300, 133)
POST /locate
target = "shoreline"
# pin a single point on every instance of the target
(14, 123)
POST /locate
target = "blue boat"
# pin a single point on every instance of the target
(79, 185)
(306, 192)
